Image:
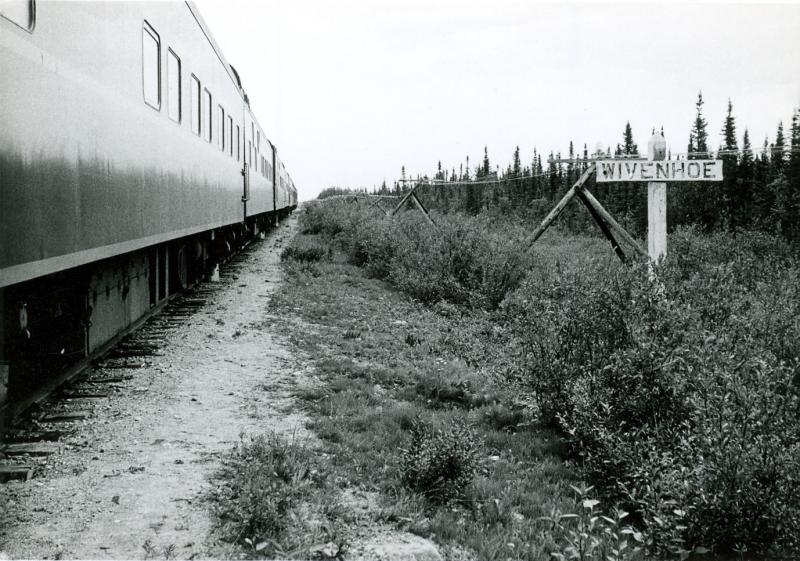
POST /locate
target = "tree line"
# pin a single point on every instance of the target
(760, 189)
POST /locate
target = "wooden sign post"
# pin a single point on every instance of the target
(657, 203)
(657, 171)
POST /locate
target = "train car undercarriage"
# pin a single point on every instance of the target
(53, 326)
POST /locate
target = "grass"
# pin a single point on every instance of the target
(387, 362)
(677, 400)
(275, 498)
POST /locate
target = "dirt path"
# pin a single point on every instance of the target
(128, 482)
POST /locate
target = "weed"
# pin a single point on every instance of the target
(440, 462)
(588, 535)
(304, 249)
(150, 552)
(265, 488)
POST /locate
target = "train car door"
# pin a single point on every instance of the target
(246, 188)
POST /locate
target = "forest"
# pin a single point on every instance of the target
(760, 190)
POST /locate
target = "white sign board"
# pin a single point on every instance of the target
(665, 170)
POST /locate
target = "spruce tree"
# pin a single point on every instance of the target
(516, 168)
(778, 152)
(792, 173)
(629, 147)
(733, 206)
(762, 194)
(745, 182)
(699, 136)
(585, 163)
(793, 167)
(486, 165)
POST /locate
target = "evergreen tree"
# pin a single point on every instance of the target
(486, 166)
(791, 198)
(793, 168)
(733, 204)
(778, 152)
(516, 168)
(762, 193)
(745, 175)
(629, 147)
(553, 177)
(585, 158)
(571, 165)
(698, 138)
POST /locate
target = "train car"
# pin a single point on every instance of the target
(130, 164)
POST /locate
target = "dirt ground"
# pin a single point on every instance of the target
(129, 480)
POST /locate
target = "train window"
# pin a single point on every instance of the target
(21, 12)
(238, 144)
(221, 127)
(195, 94)
(173, 86)
(151, 66)
(208, 110)
(230, 135)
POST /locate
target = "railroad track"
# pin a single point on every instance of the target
(39, 425)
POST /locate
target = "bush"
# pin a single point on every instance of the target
(373, 245)
(326, 219)
(303, 254)
(440, 463)
(680, 397)
(264, 483)
(305, 249)
(462, 260)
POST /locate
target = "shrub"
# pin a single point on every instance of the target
(679, 397)
(303, 254)
(440, 462)
(589, 535)
(264, 483)
(306, 249)
(462, 260)
(467, 261)
(326, 219)
(567, 327)
(372, 245)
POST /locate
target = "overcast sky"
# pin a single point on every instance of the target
(351, 90)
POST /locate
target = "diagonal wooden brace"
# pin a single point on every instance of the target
(613, 224)
(401, 203)
(603, 226)
(561, 204)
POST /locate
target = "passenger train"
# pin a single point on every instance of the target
(131, 164)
